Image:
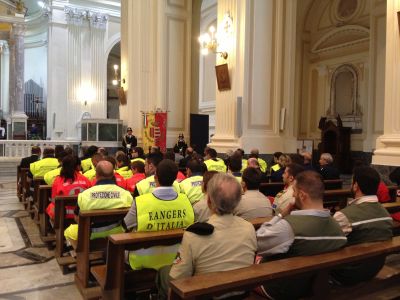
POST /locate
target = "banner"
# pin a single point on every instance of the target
(154, 130)
(160, 132)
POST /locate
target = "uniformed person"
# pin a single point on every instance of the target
(119, 180)
(104, 195)
(86, 162)
(51, 175)
(137, 154)
(226, 242)
(46, 164)
(162, 209)
(235, 165)
(192, 185)
(212, 162)
(274, 164)
(263, 164)
(91, 173)
(129, 141)
(148, 184)
(123, 166)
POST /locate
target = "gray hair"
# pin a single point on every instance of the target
(327, 157)
(225, 193)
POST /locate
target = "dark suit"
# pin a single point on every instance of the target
(329, 172)
(26, 161)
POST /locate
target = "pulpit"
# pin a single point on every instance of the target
(335, 139)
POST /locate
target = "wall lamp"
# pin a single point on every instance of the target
(210, 41)
(115, 80)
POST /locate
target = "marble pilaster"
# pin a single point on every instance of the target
(5, 71)
(388, 145)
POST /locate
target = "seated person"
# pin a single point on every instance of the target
(226, 242)
(191, 186)
(137, 168)
(309, 230)
(104, 195)
(95, 159)
(285, 197)
(123, 166)
(171, 156)
(46, 164)
(50, 176)
(162, 209)
(201, 210)
(137, 154)
(327, 170)
(86, 160)
(212, 162)
(363, 220)
(276, 176)
(120, 181)
(253, 203)
(235, 165)
(70, 182)
(254, 153)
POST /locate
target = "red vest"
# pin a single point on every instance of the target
(131, 182)
(68, 188)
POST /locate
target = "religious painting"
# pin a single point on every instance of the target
(223, 80)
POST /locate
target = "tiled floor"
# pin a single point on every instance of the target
(28, 269)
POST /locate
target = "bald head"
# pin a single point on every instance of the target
(253, 163)
(104, 170)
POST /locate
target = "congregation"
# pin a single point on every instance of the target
(214, 199)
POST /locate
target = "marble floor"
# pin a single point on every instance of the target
(28, 269)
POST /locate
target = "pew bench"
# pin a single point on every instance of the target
(24, 182)
(45, 227)
(60, 224)
(33, 206)
(89, 252)
(116, 279)
(218, 283)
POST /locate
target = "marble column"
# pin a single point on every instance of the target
(388, 145)
(18, 116)
(5, 72)
(155, 62)
(259, 109)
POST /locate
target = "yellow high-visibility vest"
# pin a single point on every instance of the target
(154, 214)
(41, 167)
(148, 184)
(51, 175)
(125, 172)
(215, 165)
(86, 165)
(191, 187)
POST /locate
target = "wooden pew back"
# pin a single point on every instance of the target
(112, 276)
(206, 285)
(43, 202)
(85, 247)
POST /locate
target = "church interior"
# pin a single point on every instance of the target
(288, 76)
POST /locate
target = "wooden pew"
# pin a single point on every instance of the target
(271, 188)
(218, 283)
(333, 184)
(44, 222)
(113, 277)
(88, 250)
(19, 184)
(33, 206)
(60, 224)
(24, 185)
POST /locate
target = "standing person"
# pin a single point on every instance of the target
(129, 141)
(226, 242)
(363, 220)
(307, 231)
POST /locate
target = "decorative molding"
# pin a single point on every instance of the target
(356, 35)
(79, 17)
(4, 47)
